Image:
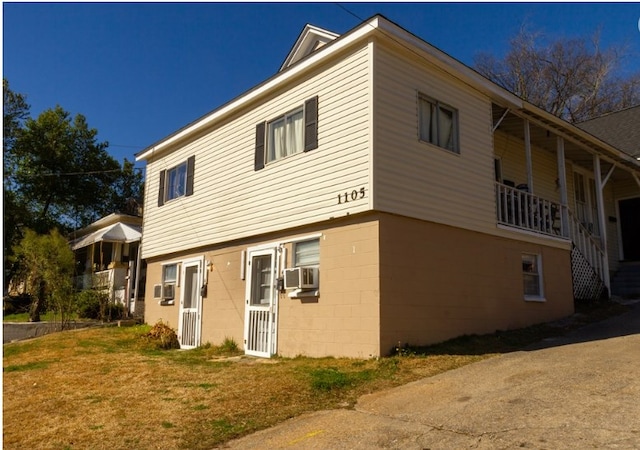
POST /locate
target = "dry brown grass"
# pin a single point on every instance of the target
(109, 389)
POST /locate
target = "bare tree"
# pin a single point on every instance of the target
(574, 79)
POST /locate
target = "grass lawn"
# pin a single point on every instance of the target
(107, 388)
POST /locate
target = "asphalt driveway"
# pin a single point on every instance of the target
(579, 391)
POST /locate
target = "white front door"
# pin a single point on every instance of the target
(261, 309)
(189, 327)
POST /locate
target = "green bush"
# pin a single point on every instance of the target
(89, 304)
(96, 305)
(16, 304)
(114, 311)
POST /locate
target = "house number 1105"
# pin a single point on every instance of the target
(347, 197)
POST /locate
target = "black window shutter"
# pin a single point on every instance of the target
(191, 162)
(259, 157)
(311, 124)
(163, 174)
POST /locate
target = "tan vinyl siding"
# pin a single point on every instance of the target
(421, 180)
(232, 201)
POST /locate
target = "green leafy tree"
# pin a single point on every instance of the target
(575, 79)
(57, 174)
(15, 112)
(46, 266)
(63, 175)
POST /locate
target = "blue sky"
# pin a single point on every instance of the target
(140, 71)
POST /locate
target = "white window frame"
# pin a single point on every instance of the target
(434, 137)
(176, 183)
(173, 280)
(290, 148)
(537, 272)
(297, 263)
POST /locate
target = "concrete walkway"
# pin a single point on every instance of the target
(580, 391)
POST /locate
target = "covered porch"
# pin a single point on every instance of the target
(107, 255)
(555, 180)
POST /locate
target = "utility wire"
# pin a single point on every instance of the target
(66, 174)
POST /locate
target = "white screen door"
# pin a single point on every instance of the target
(190, 305)
(260, 336)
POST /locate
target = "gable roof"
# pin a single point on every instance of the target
(311, 39)
(621, 129)
(305, 56)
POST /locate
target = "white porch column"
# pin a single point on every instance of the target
(601, 218)
(137, 281)
(527, 150)
(562, 182)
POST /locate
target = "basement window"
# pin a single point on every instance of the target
(532, 277)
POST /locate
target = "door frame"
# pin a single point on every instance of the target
(591, 204)
(199, 263)
(271, 309)
(619, 224)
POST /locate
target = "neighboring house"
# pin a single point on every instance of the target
(375, 192)
(108, 259)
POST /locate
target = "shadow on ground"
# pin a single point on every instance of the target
(590, 322)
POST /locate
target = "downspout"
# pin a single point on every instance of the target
(601, 219)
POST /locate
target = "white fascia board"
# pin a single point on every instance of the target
(271, 84)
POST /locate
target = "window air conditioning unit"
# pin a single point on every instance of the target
(157, 291)
(301, 278)
(168, 291)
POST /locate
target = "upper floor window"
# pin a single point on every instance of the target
(438, 123)
(291, 133)
(177, 181)
(285, 135)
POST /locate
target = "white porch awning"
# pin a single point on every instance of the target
(118, 232)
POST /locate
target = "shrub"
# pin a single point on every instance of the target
(89, 303)
(163, 336)
(94, 304)
(229, 345)
(16, 304)
(114, 311)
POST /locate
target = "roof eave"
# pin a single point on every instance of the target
(269, 85)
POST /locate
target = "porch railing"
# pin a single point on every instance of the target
(588, 245)
(520, 209)
(98, 280)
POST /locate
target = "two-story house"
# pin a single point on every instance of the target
(375, 191)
